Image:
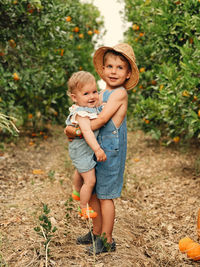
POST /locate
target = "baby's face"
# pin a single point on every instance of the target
(116, 71)
(87, 95)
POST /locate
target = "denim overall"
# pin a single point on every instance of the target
(109, 174)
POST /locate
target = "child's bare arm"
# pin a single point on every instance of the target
(116, 100)
(84, 124)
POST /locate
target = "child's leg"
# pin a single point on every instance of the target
(108, 217)
(77, 181)
(89, 179)
(97, 222)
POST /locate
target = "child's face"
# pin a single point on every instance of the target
(116, 71)
(87, 95)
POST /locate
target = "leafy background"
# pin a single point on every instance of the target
(43, 42)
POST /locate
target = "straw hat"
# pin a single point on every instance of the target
(127, 51)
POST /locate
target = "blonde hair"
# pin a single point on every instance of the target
(79, 79)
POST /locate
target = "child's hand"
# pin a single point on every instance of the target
(70, 132)
(100, 154)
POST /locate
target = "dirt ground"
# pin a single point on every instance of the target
(158, 207)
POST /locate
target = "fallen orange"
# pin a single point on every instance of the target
(184, 243)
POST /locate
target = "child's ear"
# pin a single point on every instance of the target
(128, 75)
(73, 97)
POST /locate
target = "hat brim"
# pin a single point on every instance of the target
(98, 64)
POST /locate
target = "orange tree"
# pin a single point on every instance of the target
(165, 36)
(41, 43)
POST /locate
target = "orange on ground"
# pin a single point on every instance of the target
(183, 244)
(193, 251)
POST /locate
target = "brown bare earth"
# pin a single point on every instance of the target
(158, 207)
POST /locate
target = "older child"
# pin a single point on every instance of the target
(116, 66)
(83, 91)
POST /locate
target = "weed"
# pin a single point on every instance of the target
(45, 230)
(68, 208)
(104, 239)
(51, 175)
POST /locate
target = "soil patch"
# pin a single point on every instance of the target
(158, 207)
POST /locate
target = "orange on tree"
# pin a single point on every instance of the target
(76, 29)
(142, 69)
(68, 18)
(30, 116)
(90, 32)
(61, 52)
(185, 93)
(153, 82)
(176, 139)
(81, 35)
(12, 43)
(16, 77)
(135, 27)
(30, 9)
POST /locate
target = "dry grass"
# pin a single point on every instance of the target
(159, 205)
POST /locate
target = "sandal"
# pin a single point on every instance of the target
(87, 213)
(76, 195)
(101, 246)
(86, 239)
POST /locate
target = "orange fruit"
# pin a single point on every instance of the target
(199, 113)
(153, 82)
(68, 18)
(15, 76)
(90, 32)
(142, 69)
(185, 93)
(76, 29)
(30, 9)
(12, 43)
(193, 251)
(135, 27)
(176, 139)
(183, 244)
(61, 52)
(81, 35)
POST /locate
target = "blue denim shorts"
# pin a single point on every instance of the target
(82, 155)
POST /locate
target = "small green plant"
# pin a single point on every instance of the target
(45, 230)
(104, 239)
(51, 175)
